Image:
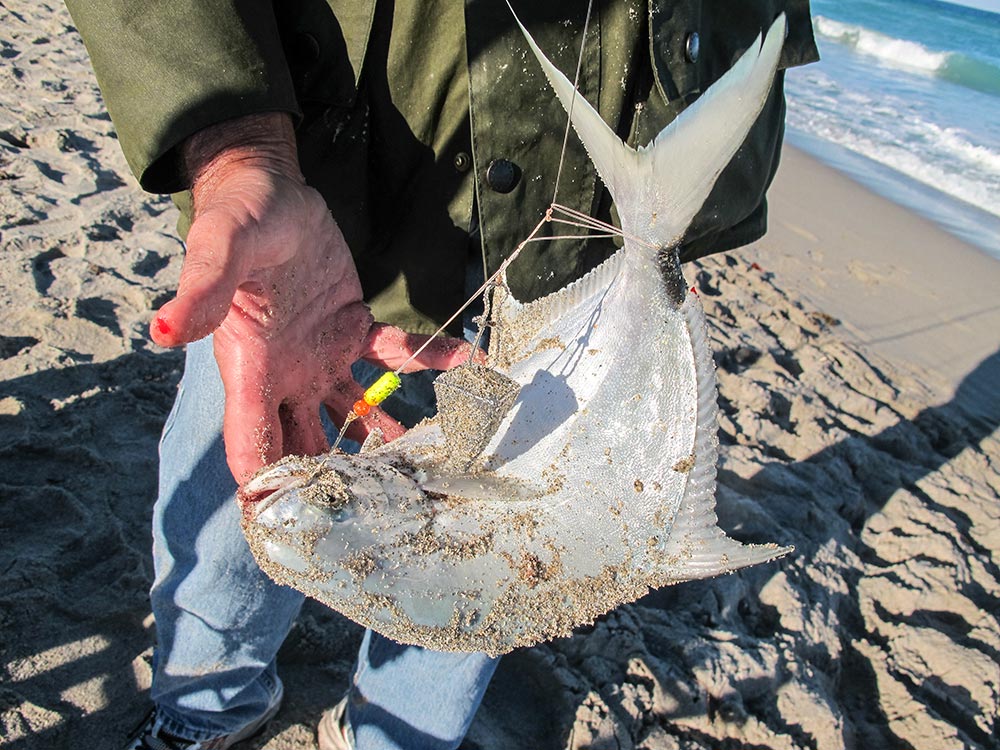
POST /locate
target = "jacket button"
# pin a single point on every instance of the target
(692, 47)
(502, 175)
(307, 49)
(462, 161)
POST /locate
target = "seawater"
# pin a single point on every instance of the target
(906, 99)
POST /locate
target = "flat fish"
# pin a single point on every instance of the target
(592, 468)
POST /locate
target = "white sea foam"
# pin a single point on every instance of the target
(896, 133)
(895, 52)
(914, 93)
(954, 141)
(956, 67)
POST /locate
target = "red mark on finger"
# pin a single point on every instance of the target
(162, 327)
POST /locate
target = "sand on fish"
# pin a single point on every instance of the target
(858, 361)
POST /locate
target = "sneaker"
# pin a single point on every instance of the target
(151, 735)
(331, 734)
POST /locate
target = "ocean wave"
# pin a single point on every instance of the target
(907, 163)
(897, 133)
(955, 67)
(953, 141)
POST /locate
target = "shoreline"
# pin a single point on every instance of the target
(967, 222)
(902, 285)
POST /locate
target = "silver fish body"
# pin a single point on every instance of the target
(596, 485)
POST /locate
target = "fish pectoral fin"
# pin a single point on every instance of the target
(481, 487)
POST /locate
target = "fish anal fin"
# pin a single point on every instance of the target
(697, 547)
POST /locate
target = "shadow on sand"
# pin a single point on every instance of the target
(77, 471)
(550, 687)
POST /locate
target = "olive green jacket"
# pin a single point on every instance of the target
(411, 115)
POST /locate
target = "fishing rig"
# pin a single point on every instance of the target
(389, 382)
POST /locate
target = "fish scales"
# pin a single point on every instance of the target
(598, 483)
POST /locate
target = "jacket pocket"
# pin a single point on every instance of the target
(675, 49)
(694, 42)
(325, 43)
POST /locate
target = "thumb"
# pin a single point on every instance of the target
(212, 271)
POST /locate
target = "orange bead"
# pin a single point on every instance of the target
(361, 408)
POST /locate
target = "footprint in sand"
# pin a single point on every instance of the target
(871, 273)
(801, 232)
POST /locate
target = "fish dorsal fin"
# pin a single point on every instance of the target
(659, 188)
(592, 282)
(525, 319)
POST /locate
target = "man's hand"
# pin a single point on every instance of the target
(268, 271)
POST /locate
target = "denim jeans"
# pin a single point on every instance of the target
(220, 620)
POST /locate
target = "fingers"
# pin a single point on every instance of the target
(389, 347)
(257, 433)
(212, 271)
(252, 432)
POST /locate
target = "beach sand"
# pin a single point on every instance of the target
(857, 348)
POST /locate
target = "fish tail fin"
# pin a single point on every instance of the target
(659, 188)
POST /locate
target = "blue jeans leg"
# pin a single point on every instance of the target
(220, 620)
(407, 697)
(410, 698)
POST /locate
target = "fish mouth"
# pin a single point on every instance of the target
(254, 501)
(268, 486)
(310, 480)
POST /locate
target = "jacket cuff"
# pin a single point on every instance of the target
(170, 69)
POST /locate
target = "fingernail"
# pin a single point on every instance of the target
(162, 326)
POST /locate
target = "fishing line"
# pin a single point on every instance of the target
(572, 101)
(574, 237)
(586, 221)
(382, 388)
(387, 384)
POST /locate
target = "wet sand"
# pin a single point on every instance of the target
(857, 348)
